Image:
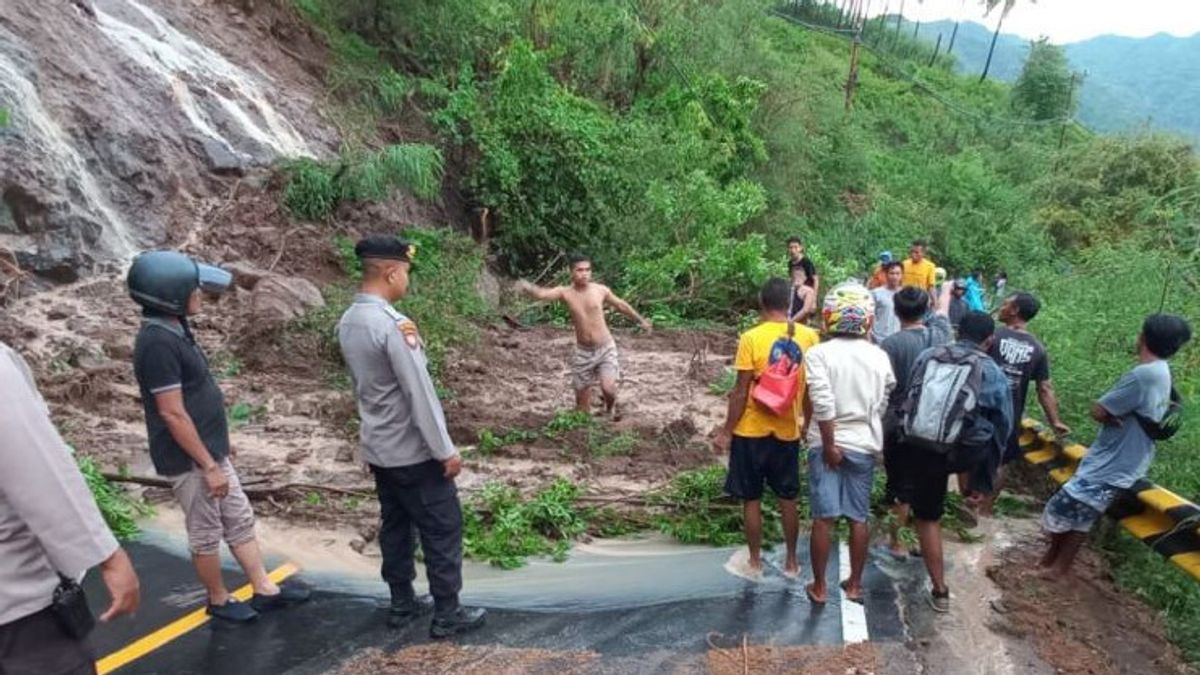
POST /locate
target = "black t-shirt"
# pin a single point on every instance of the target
(809, 269)
(164, 358)
(1022, 358)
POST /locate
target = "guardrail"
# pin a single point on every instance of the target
(1161, 519)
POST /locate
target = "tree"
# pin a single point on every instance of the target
(1043, 91)
(992, 4)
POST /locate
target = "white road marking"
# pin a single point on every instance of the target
(854, 615)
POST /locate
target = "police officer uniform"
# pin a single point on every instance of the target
(404, 441)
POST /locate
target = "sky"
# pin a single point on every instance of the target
(1064, 21)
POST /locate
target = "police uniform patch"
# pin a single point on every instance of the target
(409, 330)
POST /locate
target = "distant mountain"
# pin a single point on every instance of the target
(1129, 83)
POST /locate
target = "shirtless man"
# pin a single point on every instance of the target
(595, 351)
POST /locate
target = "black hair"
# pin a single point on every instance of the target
(976, 327)
(775, 295)
(1026, 305)
(887, 266)
(911, 303)
(576, 258)
(918, 242)
(1165, 334)
(794, 240)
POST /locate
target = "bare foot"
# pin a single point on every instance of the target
(1050, 574)
(813, 596)
(852, 593)
(615, 412)
(791, 569)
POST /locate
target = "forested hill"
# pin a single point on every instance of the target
(1130, 83)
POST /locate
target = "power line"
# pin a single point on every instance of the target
(922, 85)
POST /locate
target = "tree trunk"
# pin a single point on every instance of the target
(899, 18)
(991, 50)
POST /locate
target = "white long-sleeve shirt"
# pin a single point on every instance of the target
(49, 521)
(849, 381)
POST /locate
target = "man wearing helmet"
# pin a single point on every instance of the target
(849, 380)
(188, 432)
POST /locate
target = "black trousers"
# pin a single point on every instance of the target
(36, 645)
(419, 500)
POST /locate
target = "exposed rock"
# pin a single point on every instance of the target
(488, 288)
(220, 159)
(60, 312)
(244, 274)
(277, 300)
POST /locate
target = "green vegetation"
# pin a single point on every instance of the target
(723, 384)
(597, 438)
(699, 513)
(504, 528)
(314, 189)
(240, 414)
(120, 511)
(681, 142)
(1044, 89)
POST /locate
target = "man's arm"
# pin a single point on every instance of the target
(42, 484)
(1046, 396)
(941, 301)
(183, 430)
(538, 292)
(625, 308)
(738, 398)
(824, 407)
(423, 402)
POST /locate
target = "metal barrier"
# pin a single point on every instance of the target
(1164, 521)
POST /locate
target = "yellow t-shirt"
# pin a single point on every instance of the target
(754, 348)
(919, 274)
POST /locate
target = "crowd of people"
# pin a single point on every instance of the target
(891, 370)
(913, 372)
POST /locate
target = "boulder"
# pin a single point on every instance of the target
(276, 300)
(244, 274)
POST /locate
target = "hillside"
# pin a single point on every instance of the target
(679, 143)
(1131, 83)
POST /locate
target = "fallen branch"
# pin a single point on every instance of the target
(150, 481)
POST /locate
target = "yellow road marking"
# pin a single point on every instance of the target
(143, 646)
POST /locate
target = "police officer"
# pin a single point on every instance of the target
(405, 442)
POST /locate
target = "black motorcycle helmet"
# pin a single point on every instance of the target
(164, 280)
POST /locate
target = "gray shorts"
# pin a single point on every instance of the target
(844, 491)
(588, 364)
(209, 521)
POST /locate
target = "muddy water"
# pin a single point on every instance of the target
(604, 574)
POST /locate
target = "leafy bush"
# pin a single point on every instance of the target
(699, 513)
(505, 528)
(120, 511)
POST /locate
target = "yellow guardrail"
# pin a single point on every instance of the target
(1164, 521)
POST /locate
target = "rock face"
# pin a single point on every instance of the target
(126, 117)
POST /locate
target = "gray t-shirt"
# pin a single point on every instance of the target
(1122, 454)
(887, 323)
(905, 346)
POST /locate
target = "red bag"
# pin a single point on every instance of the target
(777, 387)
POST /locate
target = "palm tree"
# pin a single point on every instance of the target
(992, 4)
(954, 33)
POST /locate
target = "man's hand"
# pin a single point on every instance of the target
(722, 441)
(832, 455)
(1060, 429)
(122, 584)
(217, 481)
(233, 452)
(522, 286)
(453, 466)
(647, 325)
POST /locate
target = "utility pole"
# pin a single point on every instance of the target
(1062, 133)
(992, 50)
(936, 47)
(852, 77)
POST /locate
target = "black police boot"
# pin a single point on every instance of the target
(461, 620)
(406, 606)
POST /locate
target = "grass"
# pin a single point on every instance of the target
(314, 189)
(723, 384)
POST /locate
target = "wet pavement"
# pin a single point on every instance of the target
(619, 600)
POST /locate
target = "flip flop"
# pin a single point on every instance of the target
(812, 598)
(846, 593)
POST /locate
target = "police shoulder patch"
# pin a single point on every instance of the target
(409, 330)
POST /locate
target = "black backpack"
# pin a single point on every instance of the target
(1171, 422)
(941, 411)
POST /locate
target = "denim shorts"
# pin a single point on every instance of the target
(844, 491)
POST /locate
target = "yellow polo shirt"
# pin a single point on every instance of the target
(754, 349)
(919, 274)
